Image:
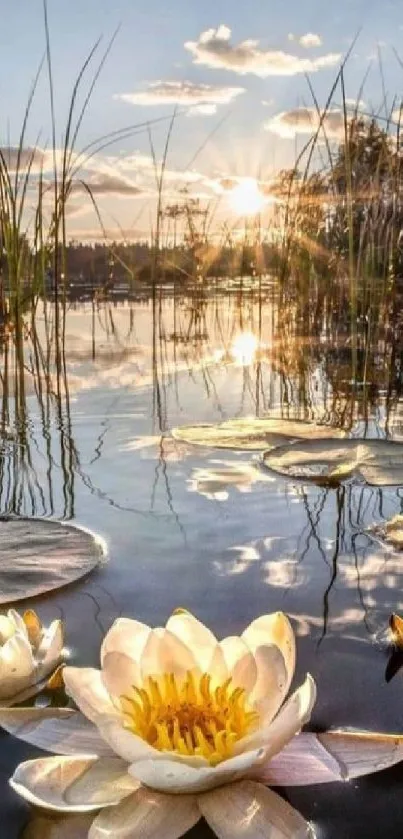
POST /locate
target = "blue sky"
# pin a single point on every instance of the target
(150, 49)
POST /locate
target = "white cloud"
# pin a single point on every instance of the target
(310, 39)
(107, 184)
(24, 158)
(352, 103)
(397, 116)
(206, 110)
(214, 49)
(142, 168)
(288, 124)
(202, 98)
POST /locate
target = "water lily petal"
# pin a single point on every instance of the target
(119, 673)
(274, 629)
(8, 627)
(123, 742)
(195, 635)
(33, 627)
(73, 784)
(59, 730)
(86, 687)
(175, 777)
(292, 717)
(247, 810)
(132, 748)
(164, 652)
(217, 667)
(147, 815)
(240, 662)
(28, 692)
(362, 752)
(17, 666)
(18, 622)
(331, 756)
(50, 649)
(289, 721)
(58, 826)
(302, 762)
(125, 636)
(271, 683)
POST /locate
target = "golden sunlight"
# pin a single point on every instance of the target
(243, 348)
(246, 199)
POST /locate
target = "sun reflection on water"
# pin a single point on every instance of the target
(244, 348)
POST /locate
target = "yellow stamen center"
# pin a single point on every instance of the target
(189, 715)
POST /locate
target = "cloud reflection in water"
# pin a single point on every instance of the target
(214, 481)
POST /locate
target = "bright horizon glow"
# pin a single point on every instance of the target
(246, 199)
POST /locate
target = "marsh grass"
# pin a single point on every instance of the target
(332, 242)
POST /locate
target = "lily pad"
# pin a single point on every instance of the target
(252, 434)
(37, 555)
(329, 461)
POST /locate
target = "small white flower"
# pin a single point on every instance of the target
(29, 654)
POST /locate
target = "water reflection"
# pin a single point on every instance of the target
(214, 481)
(187, 525)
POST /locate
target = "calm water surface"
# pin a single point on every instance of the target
(205, 528)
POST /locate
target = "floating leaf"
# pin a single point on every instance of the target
(37, 555)
(252, 434)
(329, 461)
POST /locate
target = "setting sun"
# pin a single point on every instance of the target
(246, 199)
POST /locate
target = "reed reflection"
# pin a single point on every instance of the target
(37, 467)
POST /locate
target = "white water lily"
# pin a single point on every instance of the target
(29, 654)
(177, 725)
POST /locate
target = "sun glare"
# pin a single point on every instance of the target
(246, 199)
(244, 348)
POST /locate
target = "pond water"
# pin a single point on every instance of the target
(209, 529)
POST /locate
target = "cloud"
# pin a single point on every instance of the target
(360, 105)
(142, 168)
(201, 98)
(288, 124)
(397, 115)
(32, 157)
(310, 39)
(106, 184)
(214, 49)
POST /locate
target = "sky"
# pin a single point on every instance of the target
(236, 72)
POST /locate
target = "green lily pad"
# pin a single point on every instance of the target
(252, 434)
(38, 555)
(329, 461)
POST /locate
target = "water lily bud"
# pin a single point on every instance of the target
(396, 629)
(29, 654)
